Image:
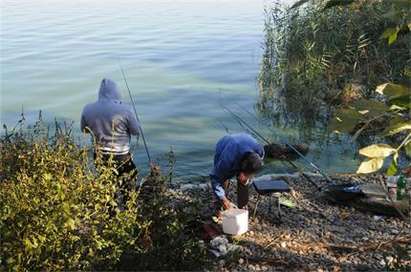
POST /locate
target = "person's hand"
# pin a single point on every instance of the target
(227, 204)
(244, 178)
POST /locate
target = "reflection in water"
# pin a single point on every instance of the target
(281, 98)
(283, 105)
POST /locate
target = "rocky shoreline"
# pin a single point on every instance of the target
(314, 235)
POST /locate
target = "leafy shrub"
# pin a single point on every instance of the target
(173, 240)
(57, 213)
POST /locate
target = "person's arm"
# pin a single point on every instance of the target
(218, 188)
(133, 123)
(219, 192)
(83, 124)
(227, 204)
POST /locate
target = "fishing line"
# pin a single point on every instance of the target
(135, 112)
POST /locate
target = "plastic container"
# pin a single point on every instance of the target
(235, 221)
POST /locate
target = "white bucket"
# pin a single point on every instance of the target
(235, 221)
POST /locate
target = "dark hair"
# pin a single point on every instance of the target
(251, 163)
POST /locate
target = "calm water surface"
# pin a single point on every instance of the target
(183, 58)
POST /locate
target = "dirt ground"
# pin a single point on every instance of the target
(315, 235)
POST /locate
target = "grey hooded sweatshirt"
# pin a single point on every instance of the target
(110, 120)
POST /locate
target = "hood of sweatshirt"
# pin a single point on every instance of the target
(108, 90)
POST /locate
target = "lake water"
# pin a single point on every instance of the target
(183, 59)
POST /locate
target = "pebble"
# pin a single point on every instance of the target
(395, 231)
(389, 259)
(378, 256)
(303, 226)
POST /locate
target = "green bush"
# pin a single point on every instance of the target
(175, 226)
(60, 213)
(56, 212)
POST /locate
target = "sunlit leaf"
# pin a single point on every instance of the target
(370, 165)
(345, 120)
(393, 168)
(407, 148)
(401, 101)
(30, 244)
(390, 89)
(373, 107)
(377, 151)
(396, 128)
(396, 108)
(70, 224)
(299, 3)
(391, 34)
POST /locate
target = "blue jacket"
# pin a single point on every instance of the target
(229, 151)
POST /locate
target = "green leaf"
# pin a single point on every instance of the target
(401, 101)
(393, 168)
(345, 120)
(397, 108)
(334, 3)
(394, 129)
(377, 151)
(370, 165)
(70, 224)
(390, 89)
(299, 3)
(407, 148)
(370, 108)
(391, 34)
(30, 244)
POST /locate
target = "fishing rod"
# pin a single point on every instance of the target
(240, 120)
(135, 112)
(309, 162)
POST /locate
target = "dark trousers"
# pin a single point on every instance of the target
(126, 172)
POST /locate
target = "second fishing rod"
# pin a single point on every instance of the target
(241, 121)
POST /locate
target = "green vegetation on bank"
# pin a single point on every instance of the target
(60, 213)
(345, 66)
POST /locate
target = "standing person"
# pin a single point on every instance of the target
(237, 155)
(111, 123)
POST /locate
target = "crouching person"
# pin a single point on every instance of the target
(237, 155)
(111, 123)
